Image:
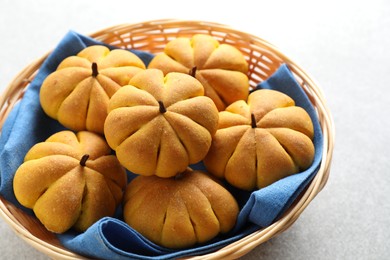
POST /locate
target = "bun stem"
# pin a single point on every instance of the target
(95, 71)
(192, 71)
(253, 121)
(84, 159)
(162, 107)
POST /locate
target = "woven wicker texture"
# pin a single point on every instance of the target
(263, 58)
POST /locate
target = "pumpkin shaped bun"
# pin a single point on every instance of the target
(70, 180)
(159, 125)
(221, 68)
(179, 212)
(77, 93)
(261, 141)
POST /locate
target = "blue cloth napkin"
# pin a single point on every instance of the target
(111, 238)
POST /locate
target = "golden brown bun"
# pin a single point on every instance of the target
(62, 192)
(179, 212)
(221, 68)
(150, 141)
(261, 141)
(77, 98)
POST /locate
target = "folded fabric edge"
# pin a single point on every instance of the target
(110, 246)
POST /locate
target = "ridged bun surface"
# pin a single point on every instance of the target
(261, 141)
(179, 212)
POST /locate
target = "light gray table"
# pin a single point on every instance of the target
(344, 45)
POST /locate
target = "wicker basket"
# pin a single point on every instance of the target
(263, 59)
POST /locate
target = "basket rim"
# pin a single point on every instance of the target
(241, 246)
